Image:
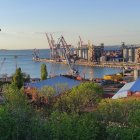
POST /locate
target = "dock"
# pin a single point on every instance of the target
(93, 64)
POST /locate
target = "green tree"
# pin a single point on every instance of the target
(82, 97)
(63, 126)
(120, 117)
(18, 120)
(45, 99)
(44, 72)
(18, 78)
(26, 77)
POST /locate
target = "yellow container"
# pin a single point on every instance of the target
(112, 77)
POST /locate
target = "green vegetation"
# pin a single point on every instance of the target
(18, 120)
(78, 114)
(79, 98)
(44, 72)
(121, 118)
(26, 77)
(18, 78)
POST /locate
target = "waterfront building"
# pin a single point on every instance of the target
(131, 53)
(90, 52)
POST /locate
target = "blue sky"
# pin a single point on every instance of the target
(23, 22)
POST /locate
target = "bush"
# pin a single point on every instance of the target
(76, 100)
(120, 117)
(73, 127)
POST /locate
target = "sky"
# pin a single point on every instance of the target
(23, 23)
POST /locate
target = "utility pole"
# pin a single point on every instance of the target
(123, 47)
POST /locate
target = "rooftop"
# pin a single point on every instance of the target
(54, 82)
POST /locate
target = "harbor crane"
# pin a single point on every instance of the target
(53, 47)
(50, 45)
(70, 58)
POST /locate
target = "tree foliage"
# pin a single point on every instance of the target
(76, 100)
(26, 77)
(18, 120)
(111, 119)
(121, 118)
(63, 126)
(44, 72)
(18, 78)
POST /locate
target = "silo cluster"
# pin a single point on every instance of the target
(129, 54)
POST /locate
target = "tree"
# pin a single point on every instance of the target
(18, 120)
(121, 118)
(18, 78)
(44, 72)
(26, 77)
(84, 96)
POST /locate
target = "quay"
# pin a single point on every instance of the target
(93, 64)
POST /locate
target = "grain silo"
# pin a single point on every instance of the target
(125, 54)
(130, 54)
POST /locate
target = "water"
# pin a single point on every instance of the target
(23, 59)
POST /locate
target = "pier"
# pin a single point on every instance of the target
(93, 64)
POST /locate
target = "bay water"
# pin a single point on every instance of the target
(10, 59)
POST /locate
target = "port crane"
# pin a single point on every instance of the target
(54, 54)
(50, 45)
(70, 58)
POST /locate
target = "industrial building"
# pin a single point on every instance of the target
(129, 53)
(90, 52)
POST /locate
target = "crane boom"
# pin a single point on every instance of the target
(49, 42)
(52, 41)
(50, 45)
(67, 53)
